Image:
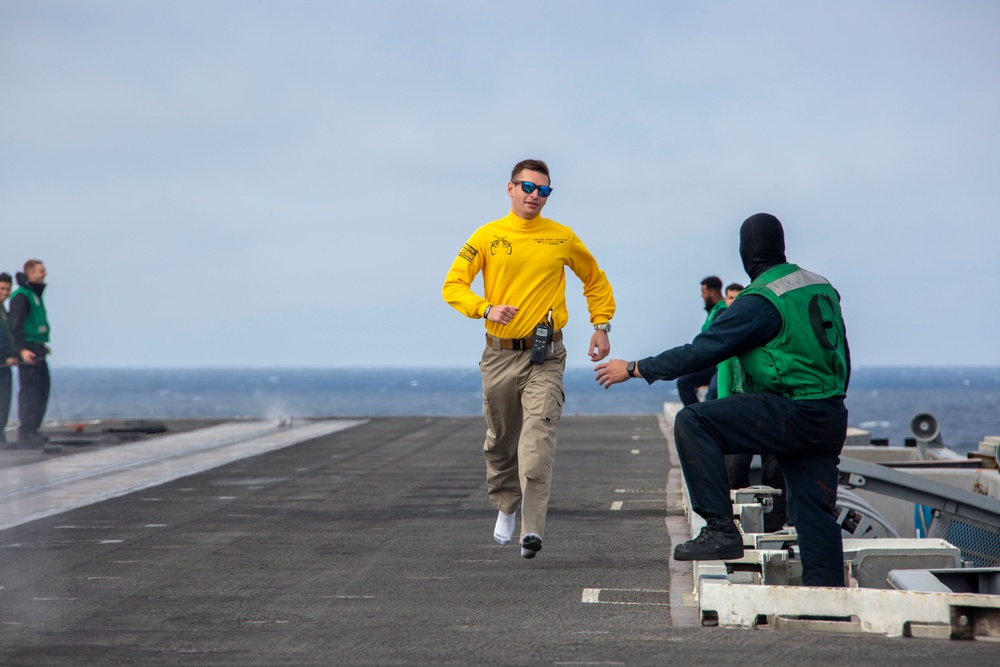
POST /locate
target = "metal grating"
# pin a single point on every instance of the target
(979, 542)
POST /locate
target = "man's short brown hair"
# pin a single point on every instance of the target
(530, 165)
(31, 263)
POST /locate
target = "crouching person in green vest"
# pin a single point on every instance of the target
(29, 324)
(787, 331)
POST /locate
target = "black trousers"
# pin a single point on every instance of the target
(805, 438)
(688, 384)
(738, 471)
(32, 396)
(5, 395)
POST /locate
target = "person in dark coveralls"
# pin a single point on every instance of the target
(788, 332)
(738, 465)
(715, 303)
(7, 357)
(29, 324)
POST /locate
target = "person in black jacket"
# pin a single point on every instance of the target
(788, 332)
(8, 357)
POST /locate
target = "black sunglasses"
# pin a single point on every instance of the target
(528, 187)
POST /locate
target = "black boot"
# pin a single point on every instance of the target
(720, 539)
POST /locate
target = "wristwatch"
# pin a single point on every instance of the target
(630, 369)
(606, 327)
(486, 313)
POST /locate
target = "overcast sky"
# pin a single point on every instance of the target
(237, 183)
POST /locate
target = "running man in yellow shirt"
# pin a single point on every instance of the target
(522, 257)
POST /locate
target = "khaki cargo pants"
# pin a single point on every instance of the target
(522, 403)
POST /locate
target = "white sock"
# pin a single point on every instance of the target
(504, 529)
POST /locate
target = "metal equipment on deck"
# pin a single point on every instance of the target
(967, 520)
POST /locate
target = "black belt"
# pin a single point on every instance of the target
(518, 343)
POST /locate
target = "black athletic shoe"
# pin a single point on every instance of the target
(720, 539)
(531, 544)
(31, 440)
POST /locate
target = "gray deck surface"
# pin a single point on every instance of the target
(373, 546)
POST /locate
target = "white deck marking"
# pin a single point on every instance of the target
(593, 596)
(46, 488)
(648, 498)
(652, 491)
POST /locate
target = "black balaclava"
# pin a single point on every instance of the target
(762, 244)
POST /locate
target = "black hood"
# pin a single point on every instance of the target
(762, 244)
(37, 288)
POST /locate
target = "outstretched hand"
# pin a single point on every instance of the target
(613, 371)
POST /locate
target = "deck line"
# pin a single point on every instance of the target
(36, 490)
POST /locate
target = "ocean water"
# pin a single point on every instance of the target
(966, 401)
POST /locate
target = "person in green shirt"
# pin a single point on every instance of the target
(715, 304)
(731, 380)
(732, 291)
(29, 324)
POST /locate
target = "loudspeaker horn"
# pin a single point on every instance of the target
(925, 428)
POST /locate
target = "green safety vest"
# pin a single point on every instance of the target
(36, 324)
(713, 313)
(730, 378)
(808, 358)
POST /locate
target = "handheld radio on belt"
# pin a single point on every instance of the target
(543, 336)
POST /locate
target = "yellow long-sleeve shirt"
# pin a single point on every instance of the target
(523, 264)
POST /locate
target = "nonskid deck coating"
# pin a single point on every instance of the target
(36, 490)
(373, 546)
